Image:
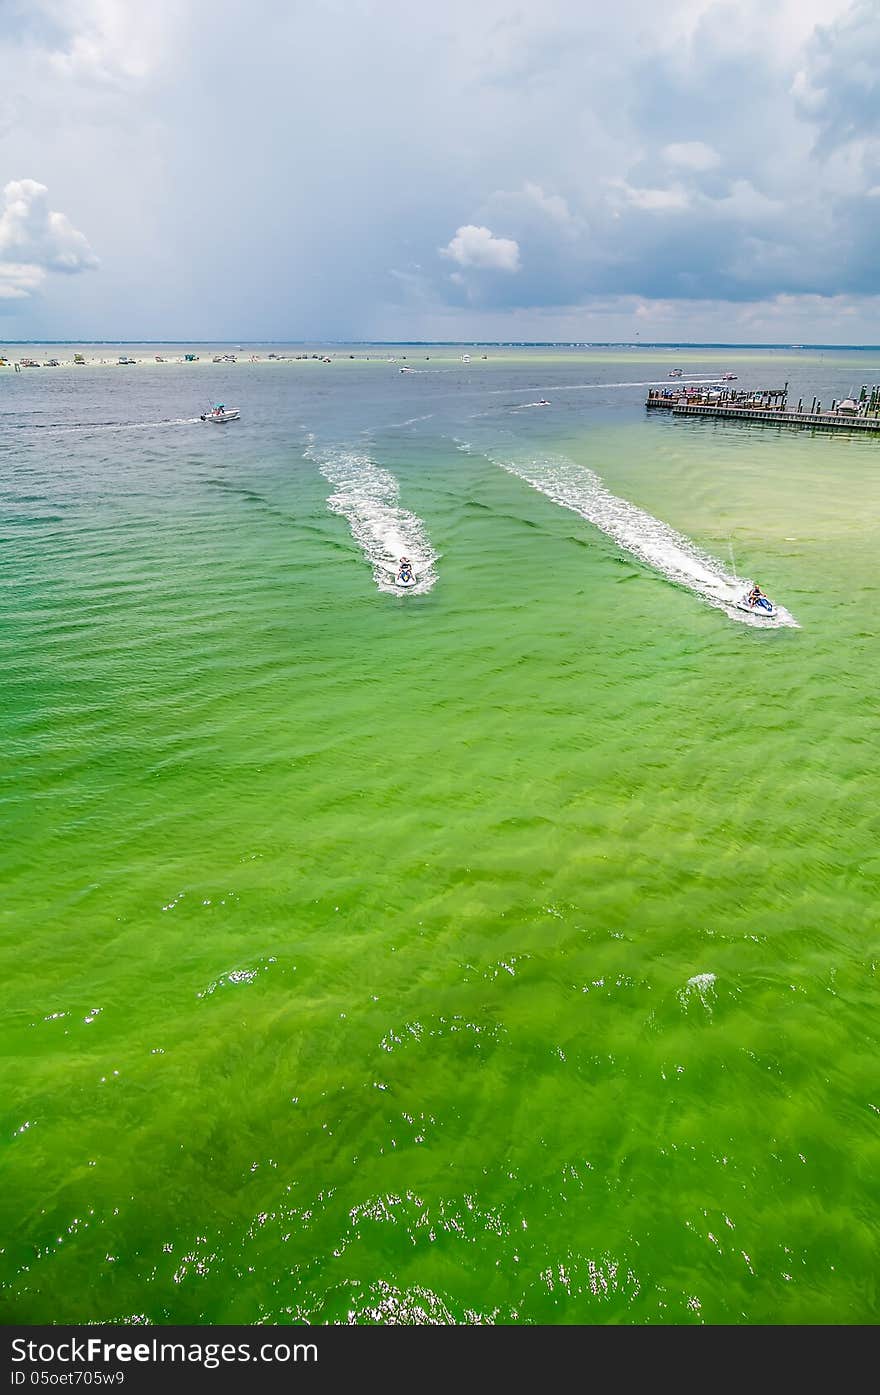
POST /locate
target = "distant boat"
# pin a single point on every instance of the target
(159, 358)
(79, 358)
(675, 373)
(465, 358)
(728, 377)
(221, 414)
(191, 358)
(124, 361)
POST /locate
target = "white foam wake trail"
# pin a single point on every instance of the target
(367, 496)
(578, 488)
(583, 387)
(86, 426)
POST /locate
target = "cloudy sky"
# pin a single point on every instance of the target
(548, 169)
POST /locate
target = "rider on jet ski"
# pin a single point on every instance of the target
(755, 595)
(404, 571)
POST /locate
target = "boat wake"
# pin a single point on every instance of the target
(367, 496)
(585, 387)
(102, 425)
(580, 489)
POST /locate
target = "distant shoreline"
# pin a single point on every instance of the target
(250, 344)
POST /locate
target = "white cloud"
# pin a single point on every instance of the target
(18, 279)
(109, 41)
(35, 238)
(479, 248)
(745, 203)
(554, 205)
(673, 199)
(692, 155)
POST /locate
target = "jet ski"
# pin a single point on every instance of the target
(761, 606)
(405, 576)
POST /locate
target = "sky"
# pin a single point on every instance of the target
(698, 170)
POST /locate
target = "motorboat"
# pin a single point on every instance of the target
(221, 413)
(124, 361)
(761, 607)
(405, 576)
(728, 377)
(675, 373)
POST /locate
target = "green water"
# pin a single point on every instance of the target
(352, 945)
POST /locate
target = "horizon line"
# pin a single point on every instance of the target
(448, 343)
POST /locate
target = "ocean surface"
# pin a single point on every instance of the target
(504, 952)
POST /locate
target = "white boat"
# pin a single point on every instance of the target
(728, 377)
(221, 414)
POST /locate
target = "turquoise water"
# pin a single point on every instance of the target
(504, 952)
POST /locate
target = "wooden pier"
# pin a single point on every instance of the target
(770, 405)
(818, 421)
